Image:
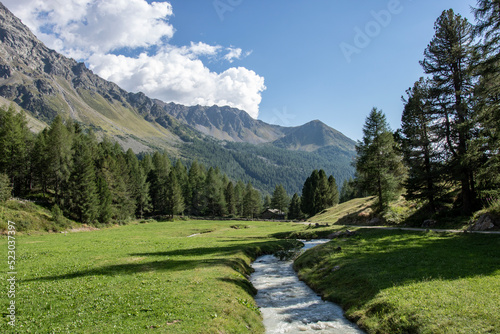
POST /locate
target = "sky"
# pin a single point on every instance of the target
(285, 62)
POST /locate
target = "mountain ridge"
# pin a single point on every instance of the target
(45, 84)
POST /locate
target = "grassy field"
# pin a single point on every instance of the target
(410, 282)
(139, 278)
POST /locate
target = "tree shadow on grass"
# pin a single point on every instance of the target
(154, 266)
(251, 249)
(203, 257)
(377, 260)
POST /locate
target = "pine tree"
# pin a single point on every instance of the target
(181, 173)
(485, 147)
(40, 161)
(252, 203)
(294, 211)
(321, 193)
(448, 58)
(280, 199)
(239, 194)
(214, 194)
(420, 146)
(379, 169)
(196, 179)
(158, 178)
(139, 185)
(267, 202)
(333, 192)
(308, 198)
(230, 199)
(105, 211)
(59, 143)
(15, 145)
(81, 191)
(174, 199)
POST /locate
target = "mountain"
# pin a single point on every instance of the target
(313, 136)
(226, 123)
(45, 83)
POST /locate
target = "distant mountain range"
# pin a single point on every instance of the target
(45, 83)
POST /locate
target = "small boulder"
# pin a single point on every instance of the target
(484, 223)
(429, 223)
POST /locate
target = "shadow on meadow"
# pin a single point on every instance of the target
(200, 257)
(376, 260)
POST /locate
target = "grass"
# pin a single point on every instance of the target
(353, 212)
(148, 277)
(410, 282)
(31, 217)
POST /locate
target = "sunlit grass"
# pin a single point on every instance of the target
(411, 282)
(138, 278)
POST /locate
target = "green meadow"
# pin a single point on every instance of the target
(410, 282)
(192, 277)
(140, 278)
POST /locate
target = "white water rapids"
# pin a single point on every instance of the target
(288, 305)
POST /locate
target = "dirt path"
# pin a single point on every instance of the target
(423, 229)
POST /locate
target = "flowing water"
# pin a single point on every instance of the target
(288, 305)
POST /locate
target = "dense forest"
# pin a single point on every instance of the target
(447, 150)
(96, 182)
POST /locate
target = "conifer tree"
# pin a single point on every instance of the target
(239, 194)
(214, 194)
(420, 146)
(485, 147)
(252, 202)
(158, 178)
(308, 198)
(15, 145)
(379, 169)
(105, 211)
(174, 199)
(448, 58)
(40, 161)
(138, 184)
(280, 199)
(294, 211)
(267, 202)
(333, 192)
(230, 199)
(81, 191)
(59, 143)
(181, 173)
(196, 178)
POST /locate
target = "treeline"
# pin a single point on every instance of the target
(450, 134)
(94, 181)
(266, 165)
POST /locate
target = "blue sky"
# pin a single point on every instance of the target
(286, 62)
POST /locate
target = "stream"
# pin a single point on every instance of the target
(288, 305)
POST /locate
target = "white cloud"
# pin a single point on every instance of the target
(88, 30)
(173, 75)
(84, 27)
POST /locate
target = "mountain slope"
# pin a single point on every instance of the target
(46, 84)
(312, 136)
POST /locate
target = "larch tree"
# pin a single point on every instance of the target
(486, 147)
(280, 199)
(420, 146)
(379, 168)
(448, 59)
